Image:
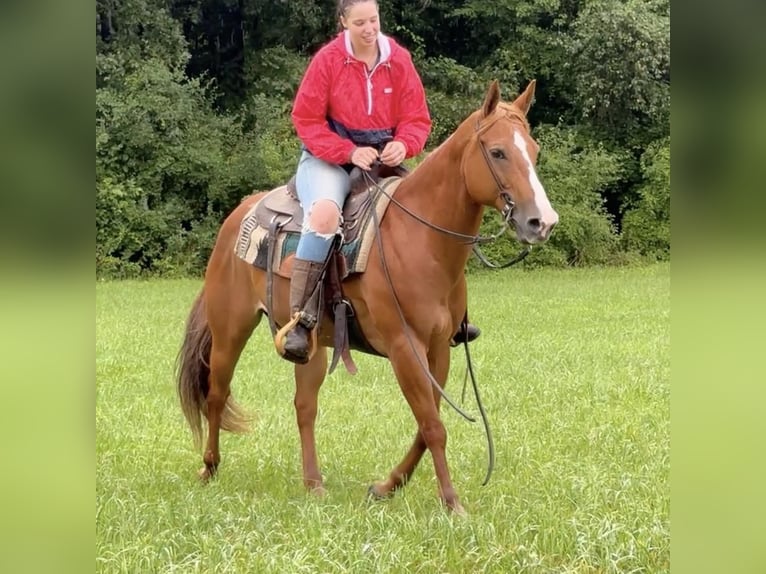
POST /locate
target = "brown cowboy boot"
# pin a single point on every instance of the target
(470, 333)
(304, 299)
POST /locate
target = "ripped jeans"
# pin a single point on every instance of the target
(315, 180)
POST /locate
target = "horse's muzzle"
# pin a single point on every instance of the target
(533, 230)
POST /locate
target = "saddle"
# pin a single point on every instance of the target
(270, 233)
(282, 203)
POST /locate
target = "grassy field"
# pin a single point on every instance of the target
(574, 371)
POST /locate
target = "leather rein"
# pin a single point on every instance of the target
(478, 239)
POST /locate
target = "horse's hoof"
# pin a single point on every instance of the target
(205, 474)
(454, 507)
(458, 510)
(318, 491)
(373, 494)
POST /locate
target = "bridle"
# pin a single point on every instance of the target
(463, 237)
(503, 192)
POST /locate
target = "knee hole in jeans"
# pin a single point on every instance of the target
(323, 218)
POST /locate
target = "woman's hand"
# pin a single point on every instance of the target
(364, 157)
(393, 154)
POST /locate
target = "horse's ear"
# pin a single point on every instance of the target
(491, 99)
(524, 101)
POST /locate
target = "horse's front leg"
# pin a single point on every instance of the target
(438, 364)
(424, 402)
(402, 472)
(308, 379)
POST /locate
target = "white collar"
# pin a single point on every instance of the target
(384, 45)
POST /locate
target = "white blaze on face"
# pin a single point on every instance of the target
(547, 215)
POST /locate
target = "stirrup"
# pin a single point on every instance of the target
(298, 351)
(280, 339)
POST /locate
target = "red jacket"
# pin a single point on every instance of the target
(339, 105)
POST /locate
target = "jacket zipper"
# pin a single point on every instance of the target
(368, 76)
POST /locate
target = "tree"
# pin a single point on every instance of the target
(646, 225)
(620, 64)
(193, 112)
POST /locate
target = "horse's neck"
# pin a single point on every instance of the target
(437, 186)
(435, 191)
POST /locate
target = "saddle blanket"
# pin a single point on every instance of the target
(253, 239)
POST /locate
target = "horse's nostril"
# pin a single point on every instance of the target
(534, 223)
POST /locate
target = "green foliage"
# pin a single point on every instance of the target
(575, 171)
(275, 72)
(447, 75)
(299, 25)
(193, 101)
(156, 127)
(133, 240)
(133, 31)
(168, 169)
(454, 92)
(157, 145)
(274, 76)
(620, 66)
(646, 225)
(118, 215)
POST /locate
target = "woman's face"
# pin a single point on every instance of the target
(363, 23)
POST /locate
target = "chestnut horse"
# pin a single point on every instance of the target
(488, 161)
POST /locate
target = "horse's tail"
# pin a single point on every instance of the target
(192, 372)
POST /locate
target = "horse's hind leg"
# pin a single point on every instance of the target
(232, 319)
(308, 379)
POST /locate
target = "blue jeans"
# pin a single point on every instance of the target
(315, 180)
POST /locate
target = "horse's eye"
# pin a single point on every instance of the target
(497, 153)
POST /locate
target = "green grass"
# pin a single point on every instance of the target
(573, 366)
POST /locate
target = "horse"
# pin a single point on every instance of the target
(488, 161)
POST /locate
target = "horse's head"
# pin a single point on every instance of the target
(499, 165)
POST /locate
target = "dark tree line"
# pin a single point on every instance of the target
(193, 100)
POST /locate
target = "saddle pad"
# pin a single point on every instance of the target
(252, 241)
